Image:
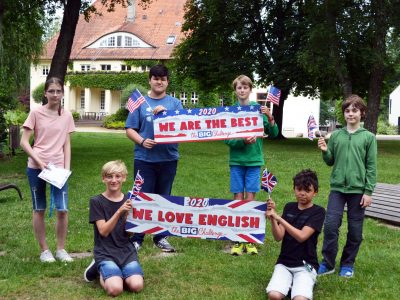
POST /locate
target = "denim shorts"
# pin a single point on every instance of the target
(108, 268)
(245, 179)
(38, 190)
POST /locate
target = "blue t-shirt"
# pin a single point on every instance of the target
(141, 120)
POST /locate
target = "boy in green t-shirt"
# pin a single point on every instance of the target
(246, 156)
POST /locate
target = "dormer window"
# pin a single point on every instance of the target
(119, 40)
(171, 40)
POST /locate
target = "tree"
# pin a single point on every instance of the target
(331, 48)
(20, 43)
(226, 38)
(347, 47)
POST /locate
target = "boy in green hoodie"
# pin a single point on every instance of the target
(352, 152)
(246, 156)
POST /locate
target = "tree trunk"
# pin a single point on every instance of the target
(278, 113)
(378, 66)
(59, 63)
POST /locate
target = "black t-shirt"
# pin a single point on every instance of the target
(292, 252)
(116, 246)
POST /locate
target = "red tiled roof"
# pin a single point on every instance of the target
(152, 25)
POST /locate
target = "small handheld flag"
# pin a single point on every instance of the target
(137, 186)
(311, 125)
(274, 95)
(268, 182)
(135, 100)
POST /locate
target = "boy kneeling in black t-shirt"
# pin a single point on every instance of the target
(299, 227)
(114, 254)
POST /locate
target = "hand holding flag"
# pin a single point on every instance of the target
(268, 182)
(137, 186)
(311, 125)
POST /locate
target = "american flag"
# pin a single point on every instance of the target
(137, 185)
(268, 181)
(135, 100)
(274, 94)
(311, 125)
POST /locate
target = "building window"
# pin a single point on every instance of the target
(194, 98)
(119, 41)
(102, 100)
(128, 41)
(105, 67)
(126, 68)
(111, 41)
(82, 99)
(85, 68)
(172, 94)
(45, 70)
(183, 98)
(171, 40)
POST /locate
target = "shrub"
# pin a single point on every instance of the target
(15, 117)
(385, 128)
(121, 114)
(75, 115)
(38, 93)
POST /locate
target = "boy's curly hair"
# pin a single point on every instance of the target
(305, 179)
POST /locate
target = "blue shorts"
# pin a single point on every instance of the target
(108, 268)
(38, 191)
(245, 179)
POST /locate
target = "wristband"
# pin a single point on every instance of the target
(141, 144)
(271, 119)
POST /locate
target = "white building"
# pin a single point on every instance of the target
(394, 106)
(296, 112)
(106, 42)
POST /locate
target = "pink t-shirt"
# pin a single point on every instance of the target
(50, 133)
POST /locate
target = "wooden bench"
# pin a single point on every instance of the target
(385, 203)
(11, 186)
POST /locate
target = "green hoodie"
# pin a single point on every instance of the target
(250, 155)
(353, 157)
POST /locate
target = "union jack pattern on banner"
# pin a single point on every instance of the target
(274, 95)
(202, 218)
(311, 125)
(137, 186)
(268, 181)
(135, 100)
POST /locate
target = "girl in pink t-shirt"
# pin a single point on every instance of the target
(51, 127)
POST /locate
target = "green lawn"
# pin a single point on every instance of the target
(200, 270)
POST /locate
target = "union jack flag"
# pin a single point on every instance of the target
(274, 94)
(311, 125)
(135, 100)
(137, 186)
(268, 181)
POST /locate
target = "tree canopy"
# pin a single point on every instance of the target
(329, 48)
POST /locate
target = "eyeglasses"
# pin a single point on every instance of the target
(54, 92)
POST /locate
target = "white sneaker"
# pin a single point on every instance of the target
(63, 256)
(47, 257)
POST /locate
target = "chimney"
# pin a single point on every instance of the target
(131, 11)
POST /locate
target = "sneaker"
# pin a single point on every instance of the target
(91, 272)
(346, 272)
(137, 246)
(164, 245)
(237, 249)
(63, 256)
(324, 270)
(47, 256)
(251, 249)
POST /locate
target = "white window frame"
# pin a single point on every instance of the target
(105, 67)
(82, 98)
(194, 98)
(85, 68)
(102, 100)
(183, 98)
(171, 39)
(45, 70)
